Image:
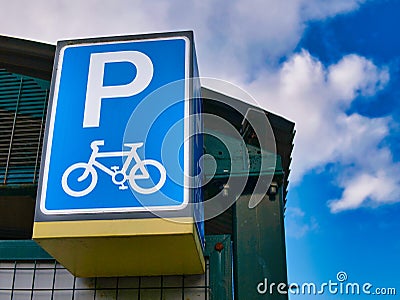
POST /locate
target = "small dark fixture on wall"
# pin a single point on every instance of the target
(273, 190)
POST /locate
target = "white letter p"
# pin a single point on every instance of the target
(96, 91)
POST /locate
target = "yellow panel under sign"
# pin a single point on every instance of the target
(106, 248)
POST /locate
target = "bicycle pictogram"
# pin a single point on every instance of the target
(119, 176)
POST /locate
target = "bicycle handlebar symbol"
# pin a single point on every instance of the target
(119, 177)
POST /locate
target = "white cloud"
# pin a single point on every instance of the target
(375, 189)
(347, 77)
(316, 98)
(306, 92)
(232, 37)
(242, 42)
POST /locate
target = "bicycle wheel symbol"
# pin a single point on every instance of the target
(83, 168)
(143, 173)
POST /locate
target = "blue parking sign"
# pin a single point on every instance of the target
(118, 135)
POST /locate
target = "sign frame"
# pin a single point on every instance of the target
(43, 214)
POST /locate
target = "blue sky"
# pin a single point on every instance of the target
(363, 242)
(332, 67)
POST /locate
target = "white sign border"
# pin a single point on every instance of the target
(49, 140)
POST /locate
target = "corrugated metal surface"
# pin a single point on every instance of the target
(23, 102)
